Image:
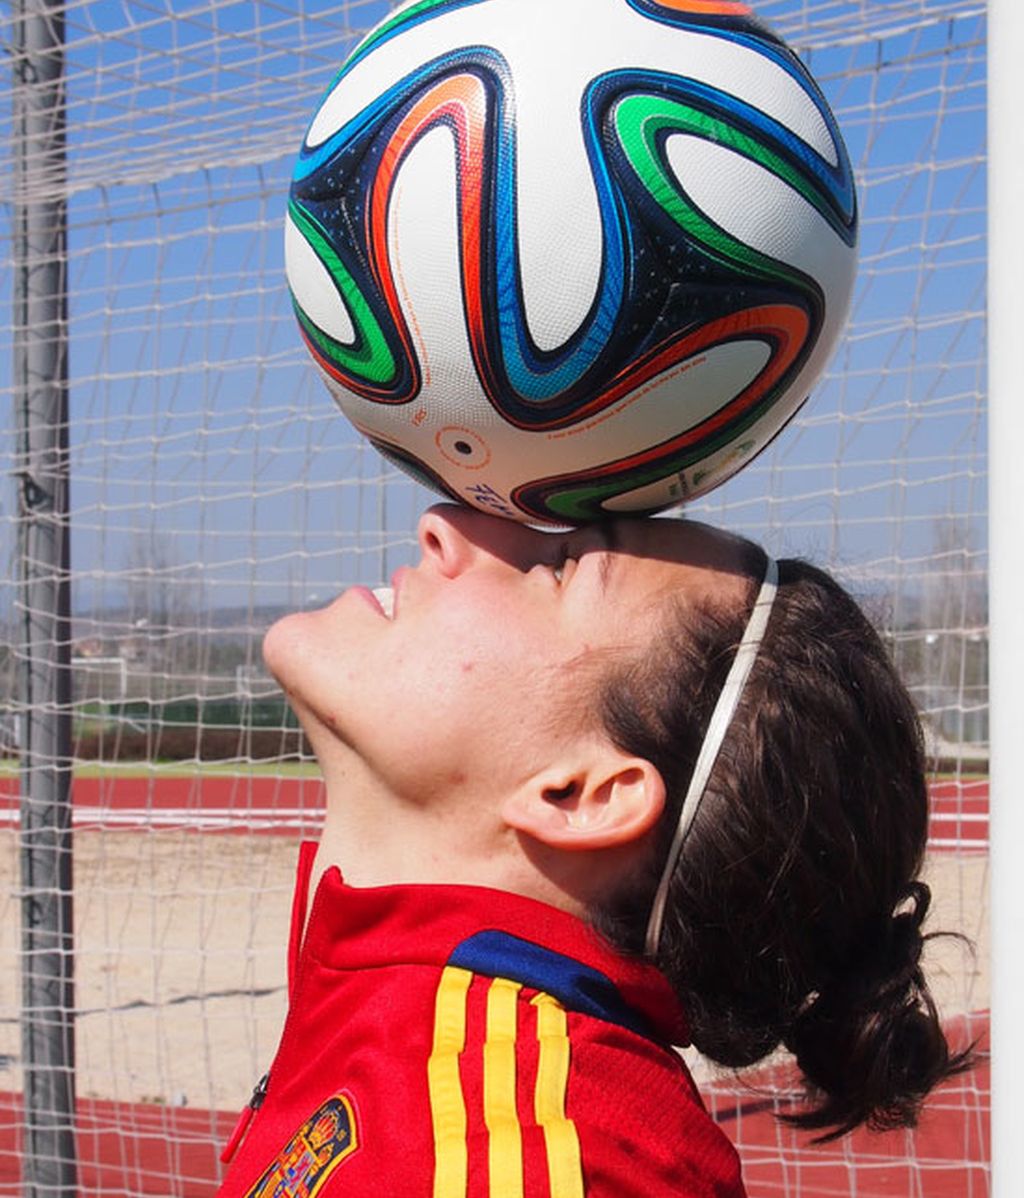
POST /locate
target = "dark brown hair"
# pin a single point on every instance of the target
(794, 913)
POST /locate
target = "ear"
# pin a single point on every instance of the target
(606, 799)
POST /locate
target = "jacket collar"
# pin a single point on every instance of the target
(490, 932)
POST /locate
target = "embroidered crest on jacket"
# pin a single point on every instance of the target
(309, 1158)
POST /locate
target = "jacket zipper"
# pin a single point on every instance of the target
(260, 1091)
(244, 1119)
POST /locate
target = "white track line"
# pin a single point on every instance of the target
(264, 819)
(207, 817)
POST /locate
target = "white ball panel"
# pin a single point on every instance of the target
(761, 210)
(679, 399)
(734, 455)
(739, 71)
(423, 249)
(764, 212)
(660, 409)
(610, 31)
(313, 287)
(558, 220)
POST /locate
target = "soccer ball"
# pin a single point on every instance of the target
(567, 259)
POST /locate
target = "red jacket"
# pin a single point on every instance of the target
(444, 1041)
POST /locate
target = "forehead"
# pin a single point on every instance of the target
(681, 541)
(693, 561)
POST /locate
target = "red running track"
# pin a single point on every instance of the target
(946, 1156)
(293, 806)
(129, 1149)
(143, 1150)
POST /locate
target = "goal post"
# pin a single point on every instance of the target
(43, 604)
(1006, 593)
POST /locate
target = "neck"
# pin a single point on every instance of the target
(378, 838)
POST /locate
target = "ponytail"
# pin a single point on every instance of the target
(870, 1044)
(794, 913)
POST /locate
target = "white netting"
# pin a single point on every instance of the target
(214, 485)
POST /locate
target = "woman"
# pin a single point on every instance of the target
(590, 796)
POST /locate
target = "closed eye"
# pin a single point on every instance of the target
(558, 567)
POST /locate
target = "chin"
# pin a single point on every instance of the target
(283, 647)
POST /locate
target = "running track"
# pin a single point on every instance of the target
(293, 806)
(142, 1150)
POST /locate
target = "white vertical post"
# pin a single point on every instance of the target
(1006, 542)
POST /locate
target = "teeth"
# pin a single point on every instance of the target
(386, 598)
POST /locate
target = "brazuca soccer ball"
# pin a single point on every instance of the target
(565, 259)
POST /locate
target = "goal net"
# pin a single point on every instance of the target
(214, 486)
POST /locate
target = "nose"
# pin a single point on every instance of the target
(452, 538)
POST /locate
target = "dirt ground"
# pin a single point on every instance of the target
(180, 959)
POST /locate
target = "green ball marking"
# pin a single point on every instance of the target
(639, 122)
(584, 503)
(369, 357)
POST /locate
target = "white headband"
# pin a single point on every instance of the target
(718, 726)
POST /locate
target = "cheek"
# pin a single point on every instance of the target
(463, 675)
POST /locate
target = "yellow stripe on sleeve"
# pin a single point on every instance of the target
(447, 1105)
(505, 1147)
(565, 1167)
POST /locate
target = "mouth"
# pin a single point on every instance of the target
(385, 596)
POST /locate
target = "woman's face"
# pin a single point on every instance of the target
(489, 665)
